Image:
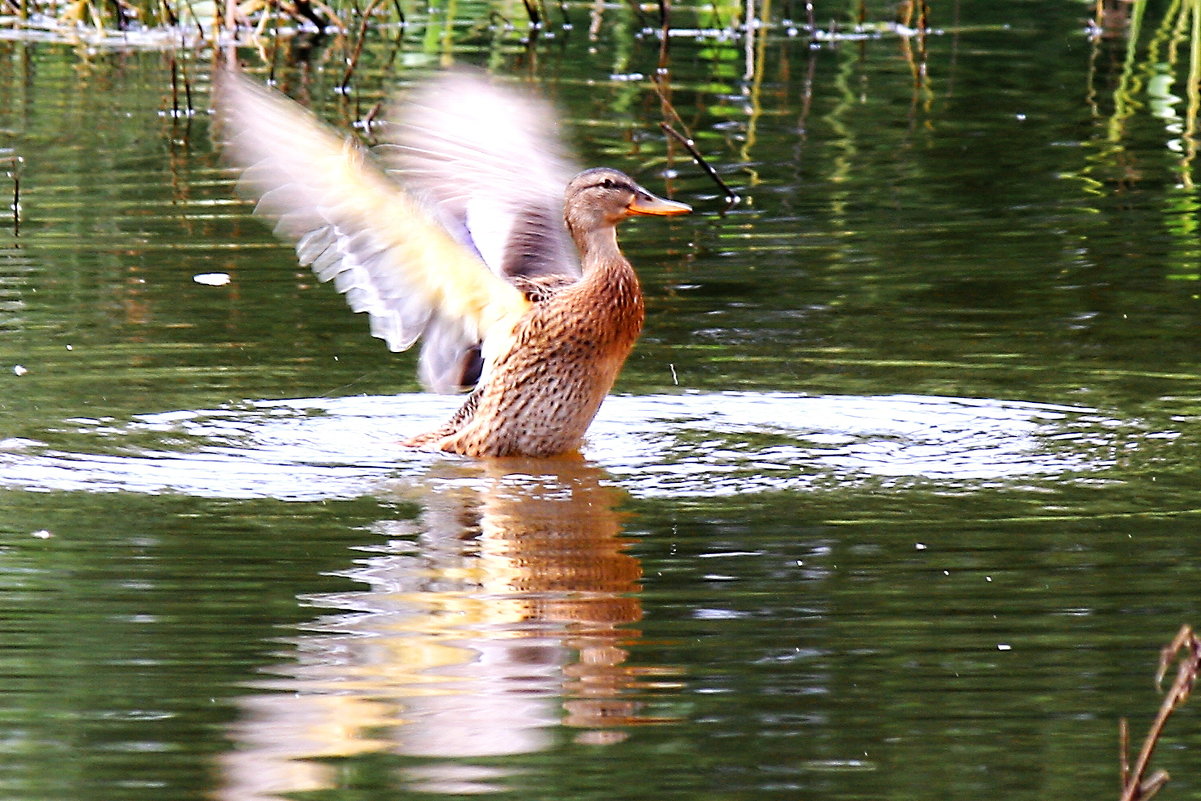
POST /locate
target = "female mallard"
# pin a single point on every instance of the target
(517, 287)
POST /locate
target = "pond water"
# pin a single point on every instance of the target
(898, 495)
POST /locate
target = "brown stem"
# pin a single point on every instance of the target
(1123, 753)
(731, 196)
(1135, 787)
(531, 10)
(174, 88)
(353, 61)
(15, 163)
(664, 28)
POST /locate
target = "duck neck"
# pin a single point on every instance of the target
(598, 248)
(610, 277)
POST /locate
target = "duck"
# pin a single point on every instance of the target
(470, 228)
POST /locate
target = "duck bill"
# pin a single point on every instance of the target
(646, 203)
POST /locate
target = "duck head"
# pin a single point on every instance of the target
(602, 197)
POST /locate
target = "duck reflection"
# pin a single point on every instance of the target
(498, 617)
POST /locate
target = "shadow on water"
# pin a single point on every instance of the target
(497, 617)
(655, 446)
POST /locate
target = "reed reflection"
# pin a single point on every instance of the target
(498, 617)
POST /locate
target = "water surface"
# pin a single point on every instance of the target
(897, 496)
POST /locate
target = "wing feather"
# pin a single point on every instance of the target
(491, 163)
(353, 225)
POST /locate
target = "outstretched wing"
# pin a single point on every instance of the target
(488, 161)
(353, 225)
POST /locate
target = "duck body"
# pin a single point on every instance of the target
(541, 394)
(522, 295)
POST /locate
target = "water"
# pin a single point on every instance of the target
(897, 495)
(657, 445)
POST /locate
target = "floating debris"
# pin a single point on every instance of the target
(212, 279)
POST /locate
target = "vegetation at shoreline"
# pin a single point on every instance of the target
(208, 23)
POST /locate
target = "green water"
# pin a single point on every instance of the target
(897, 496)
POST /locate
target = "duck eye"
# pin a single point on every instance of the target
(608, 183)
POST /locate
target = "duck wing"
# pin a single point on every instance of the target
(387, 252)
(489, 162)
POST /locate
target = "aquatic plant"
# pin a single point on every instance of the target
(1152, 70)
(12, 163)
(1185, 648)
(202, 23)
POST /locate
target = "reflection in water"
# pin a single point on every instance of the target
(500, 620)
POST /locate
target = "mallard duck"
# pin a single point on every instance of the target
(468, 230)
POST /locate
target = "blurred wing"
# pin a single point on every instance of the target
(354, 226)
(489, 161)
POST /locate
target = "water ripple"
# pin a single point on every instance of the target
(654, 446)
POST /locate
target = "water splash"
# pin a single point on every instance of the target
(655, 446)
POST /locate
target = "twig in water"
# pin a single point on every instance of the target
(121, 14)
(353, 62)
(174, 89)
(305, 10)
(195, 19)
(1134, 786)
(15, 163)
(167, 14)
(187, 90)
(664, 33)
(369, 117)
(731, 196)
(178, 71)
(531, 10)
(665, 102)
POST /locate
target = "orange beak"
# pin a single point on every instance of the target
(646, 203)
